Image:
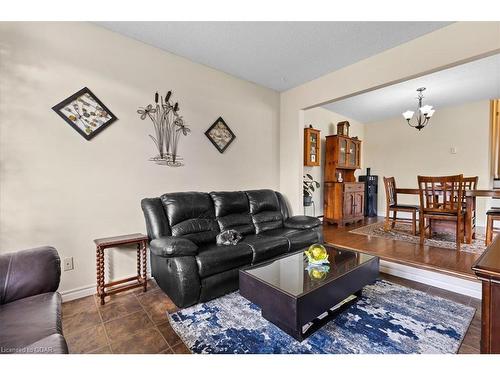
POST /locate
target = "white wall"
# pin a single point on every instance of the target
(326, 121)
(457, 43)
(392, 148)
(59, 189)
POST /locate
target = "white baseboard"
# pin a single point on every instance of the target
(84, 291)
(438, 280)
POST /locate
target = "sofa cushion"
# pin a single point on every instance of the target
(212, 259)
(229, 202)
(266, 247)
(191, 215)
(262, 200)
(267, 220)
(30, 319)
(242, 223)
(232, 211)
(265, 210)
(302, 222)
(297, 239)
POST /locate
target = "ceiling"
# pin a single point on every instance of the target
(474, 81)
(277, 55)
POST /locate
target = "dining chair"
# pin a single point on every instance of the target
(492, 215)
(392, 205)
(441, 199)
(470, 183)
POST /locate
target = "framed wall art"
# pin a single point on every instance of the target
(85, 113)
(220, 135)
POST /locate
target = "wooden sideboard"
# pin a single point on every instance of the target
(343, 200)
(487, 269)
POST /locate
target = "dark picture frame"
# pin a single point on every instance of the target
(220, 134)
(85, 113)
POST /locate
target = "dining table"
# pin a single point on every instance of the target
(470, 204)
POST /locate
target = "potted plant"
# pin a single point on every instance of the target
(308, 187)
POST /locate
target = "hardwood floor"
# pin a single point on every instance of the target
(471, 342)
(136, 322)
(447, 261)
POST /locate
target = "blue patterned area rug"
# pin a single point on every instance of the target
(388, 318)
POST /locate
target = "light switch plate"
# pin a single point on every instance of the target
(453, 150)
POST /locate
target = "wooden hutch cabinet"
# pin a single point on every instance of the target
(312, 147)
(344, 198)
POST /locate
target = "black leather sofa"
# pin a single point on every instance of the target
(186, 262)
(30, 307)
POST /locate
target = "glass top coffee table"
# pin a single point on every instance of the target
(300, 300)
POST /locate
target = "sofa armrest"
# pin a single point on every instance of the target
(173, 247)
(302, 222)
(29, 272)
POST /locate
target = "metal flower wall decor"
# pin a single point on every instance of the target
(168, 126)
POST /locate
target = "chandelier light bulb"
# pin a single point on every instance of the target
(408, 115)
(425, 109)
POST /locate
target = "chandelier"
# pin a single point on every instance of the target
(424, 113)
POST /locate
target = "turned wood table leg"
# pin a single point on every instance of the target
(100, 274)
(103, 294)
(144, 265)
(139, 262)
(98, 271)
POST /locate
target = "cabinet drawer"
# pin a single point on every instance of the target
(355, 186)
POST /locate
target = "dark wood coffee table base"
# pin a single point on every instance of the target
(291, 313)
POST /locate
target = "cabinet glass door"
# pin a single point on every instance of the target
(352, 154)
(313, 147)
(343, 151)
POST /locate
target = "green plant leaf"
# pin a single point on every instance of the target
(308, 175)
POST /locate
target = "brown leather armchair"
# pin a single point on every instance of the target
(30, 307)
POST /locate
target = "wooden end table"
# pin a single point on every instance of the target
(141, 278)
